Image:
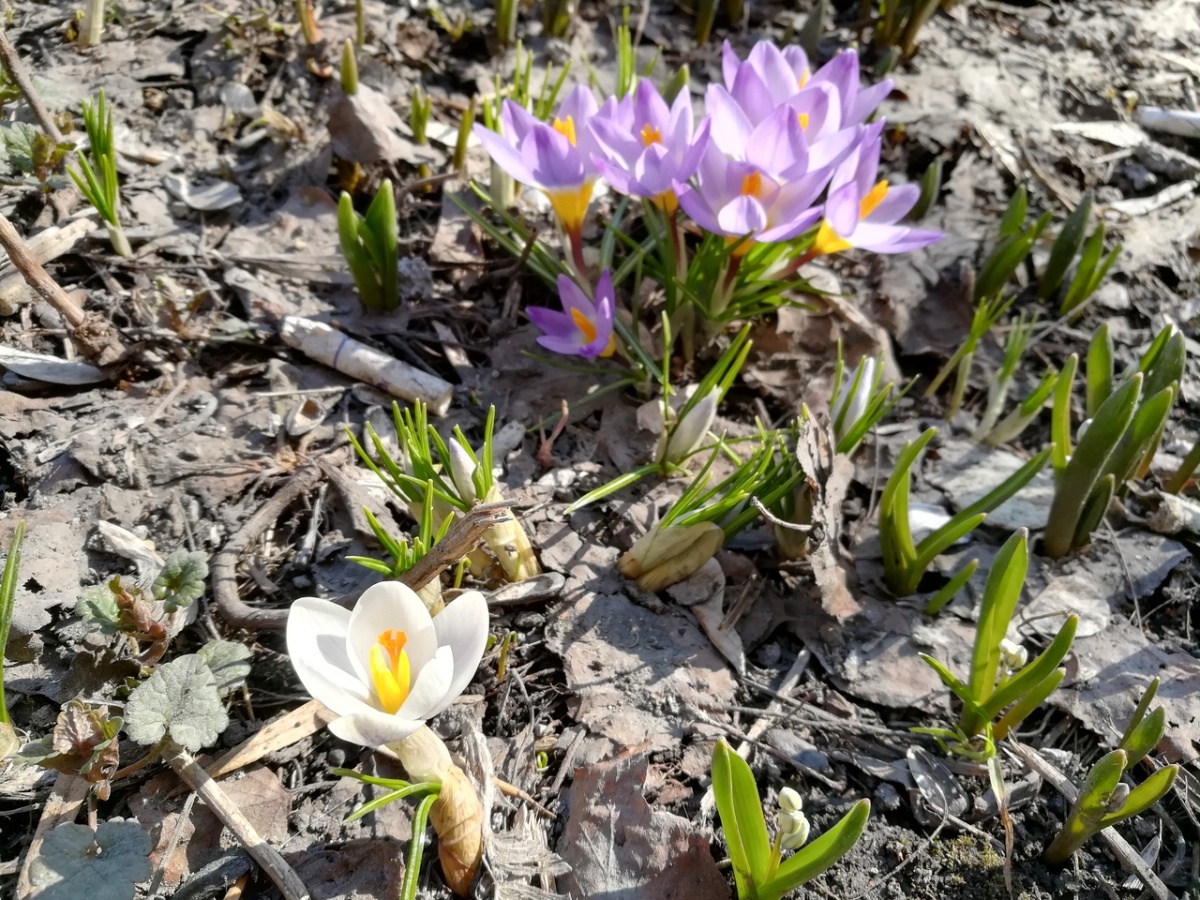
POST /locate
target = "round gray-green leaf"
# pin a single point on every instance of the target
(180, 701)
(68, 866)
(229, 662)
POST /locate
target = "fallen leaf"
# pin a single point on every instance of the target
(618, 847)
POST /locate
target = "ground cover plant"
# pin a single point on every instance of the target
(587, 451)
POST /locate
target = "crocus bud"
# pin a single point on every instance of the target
(1015, 656)
(1117, 798)
(691, 429)
(665, 556)
(462, 467)
(510, 544)
(853, 402)
(797, 836)
(790, 800)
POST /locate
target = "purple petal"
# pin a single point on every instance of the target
(752, 95)
(555, 164)
(791, 228)
(618, 179)
(731, 128)
(606, 296)
(680, 122)
(504, 154)
(820, 106)
(565, 346)
(551, 321)
(867, 102)
(655, 170)
(730, 63)
(777, 144)
(774, 70)
(743, 216)
(691, 157)
(516, 121)
(837, 150)
(697, 208)
(842, 209)
(797, 59)
(615, 142)
(574, 298)
(649, 108)
(895, 205)
(893, 238)
(841, 73)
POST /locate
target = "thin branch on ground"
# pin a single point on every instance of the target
(96, 337)
(11, 61)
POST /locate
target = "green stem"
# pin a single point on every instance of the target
(120, 243)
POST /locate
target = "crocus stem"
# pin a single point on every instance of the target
(724, 289)
(678, 247)
(120, 243)
(794, 266)
(575, 238)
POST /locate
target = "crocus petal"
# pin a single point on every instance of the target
(730, 63)
(615, 141)
(567, 346)
(655, 171)
(866, 102)
(316, 642)
(842, 209)
(517, 121)
(791, 226)
(797, 59)
(389, 605)
(649, 106)
(573, 297)
(505, 155)
(777, 143)
(731, 128)
(896, 205)
(554, 163)
(691, 158)
(618, 179)
(551, 321)
(743, 216)
(752, 95)
(463, 627)
(428, 693)
(893, 238)
(841, 73)
(774, 71)
(372, 728)
(697, 208)
(835, 151)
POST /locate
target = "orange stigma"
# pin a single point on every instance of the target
(752, 184)
(650, 135)
(873, 199)
(585, 325)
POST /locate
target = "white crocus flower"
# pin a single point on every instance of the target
(685, 437)
(386, 667)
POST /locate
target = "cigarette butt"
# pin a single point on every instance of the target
(327, 345)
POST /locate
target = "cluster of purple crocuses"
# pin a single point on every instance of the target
(777, 136)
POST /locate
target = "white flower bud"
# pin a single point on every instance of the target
(1082, 430)
(692, 429)
(854, 403)
(1117, 798)
(1015, 656)
(789, 800)
(462, 467)
(797, 837)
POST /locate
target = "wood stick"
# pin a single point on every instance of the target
(231, 817)
(45, 246)
(1130, 860)
(66, 797)
(277, 734)
(94, 334)
(16, 70)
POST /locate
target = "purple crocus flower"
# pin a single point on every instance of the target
(555, 158)
(863, 212)
(826, 102)
(584, 328)
(770, 194)
(646, 147)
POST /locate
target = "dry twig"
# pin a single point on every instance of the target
(95, 336)
(16, 70)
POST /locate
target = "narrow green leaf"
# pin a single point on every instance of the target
(1099, 369)
(1069, 240)
(1060, 421)
(1144, 736)
(1014, 214)
(949, 679)
(1000, 595)
(740, 808)
(1084, 469)
(1020, 710)
(1084, 283)
(951, 587)
(1093, 510)
(605, 490)
(1035, 672)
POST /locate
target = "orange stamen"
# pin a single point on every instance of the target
(873, 199)
(565, 127)
(650, 135)
(752, 185)
(585, 325)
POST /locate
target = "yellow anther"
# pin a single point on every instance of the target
(650, 135)
(565, 127)
(873, 199)
(390, 672)
(803, 120)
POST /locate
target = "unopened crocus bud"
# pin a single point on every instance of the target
(790, 800)
(1082, 430)
(688, 433)
(510, 544)
(797, 837)
(849, 405)
(462, 468)
(1117, 798)
(665, 556)
(1015, 656)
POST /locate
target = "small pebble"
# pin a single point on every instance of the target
(527, 621)
(887, 796)
(302, 581)
(336, 758)
(768, 655)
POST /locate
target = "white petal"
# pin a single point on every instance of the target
(384, 606)
(373, 728)
(463, 627)
(316, 642)
(430, 686)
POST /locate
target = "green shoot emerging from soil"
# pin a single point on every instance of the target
(8, 592)
(97, 178)
(1003, 689)
(369, 244)
(1104, 799)
(904, 561)
(759, 868)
